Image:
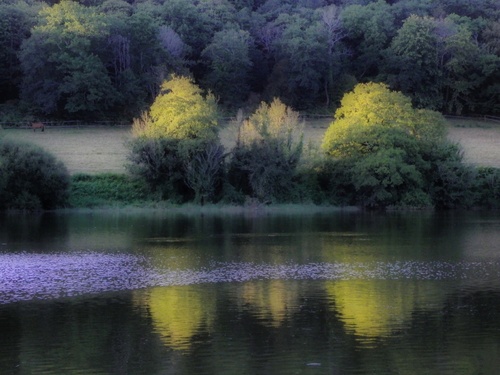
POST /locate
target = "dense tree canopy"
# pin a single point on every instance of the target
(62, 71)
(99, 58)
(371, 109)
(267, 152)
(180, 111)
(386, 152)
(176, 149)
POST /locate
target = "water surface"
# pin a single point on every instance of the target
(338, 293)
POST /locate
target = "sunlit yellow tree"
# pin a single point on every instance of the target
(180, 111)
(389, 153)
(176, 148)
(373, 106)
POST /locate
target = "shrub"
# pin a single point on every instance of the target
(31, 178)
(448, 180)
(178, 170)
(204, 170)
(158, 163)
(398, 154)
(335, 181)
(384, 178)
(268, 151)
(487, 187)
(105, 189)
(263, 170)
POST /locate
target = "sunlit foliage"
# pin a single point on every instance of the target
(390, 154)
(373, 106)
(273, 121)
(175, 148)
(267, 152)
(180, 111)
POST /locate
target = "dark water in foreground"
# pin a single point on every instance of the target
(339, 293)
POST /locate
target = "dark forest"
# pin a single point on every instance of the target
(95, 59)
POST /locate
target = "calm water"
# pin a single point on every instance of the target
(339, 293)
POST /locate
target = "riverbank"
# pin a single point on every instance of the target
(120, 192)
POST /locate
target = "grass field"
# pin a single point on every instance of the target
(102, 149)
(83, 150)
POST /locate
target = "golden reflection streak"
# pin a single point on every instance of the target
(179, 312)
(271, 299)
(373, 308)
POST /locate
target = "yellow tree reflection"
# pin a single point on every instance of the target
(271, 299)
(374, 308)
(179, 312)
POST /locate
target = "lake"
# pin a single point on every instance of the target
(148, 292)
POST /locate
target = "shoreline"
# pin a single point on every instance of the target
(190, 209)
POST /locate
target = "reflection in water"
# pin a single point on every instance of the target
(340, 294)
(272, 300)
(178, 313)
(374, 309)
(49, 276)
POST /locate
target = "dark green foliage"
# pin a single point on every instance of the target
(228, 61)
(63, 72)
(262, 169)
(448, 180)
(487, 187)
(105, 190)
(178, 170)
(31, 178)
(16, 19)
(405, 174)
(158, 163)
(204, 170)
(108, 58)
(335, 180)
(384, 178)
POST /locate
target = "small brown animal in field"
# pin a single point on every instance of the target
(37, 125)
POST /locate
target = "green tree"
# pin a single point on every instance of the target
(442, 64)
(469, 68)
(301, 68)
(229, 64)
(369, 30)
(267, 153)
(180, 111)
(196, 23)
(415, 56)
(392, 153)
(62, 71)
(16, 20)
(176, 150)
(374, 106)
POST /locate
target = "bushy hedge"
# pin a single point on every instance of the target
(264, 170)
(106, 190)
(31, 178)
(178, 170)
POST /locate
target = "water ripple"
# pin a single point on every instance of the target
(46, 276)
